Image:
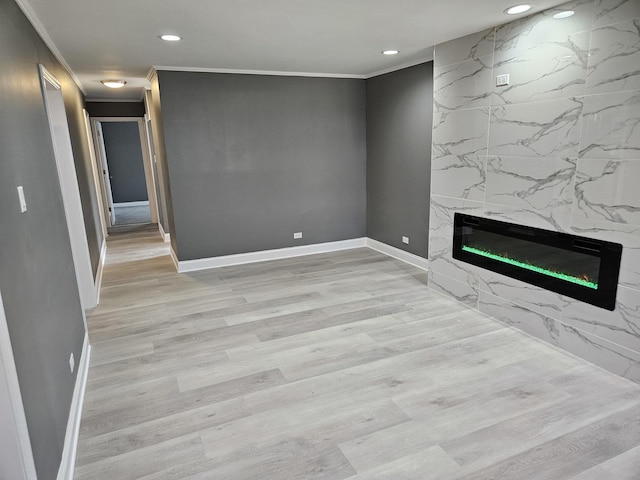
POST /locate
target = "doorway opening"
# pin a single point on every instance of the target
(128, 184)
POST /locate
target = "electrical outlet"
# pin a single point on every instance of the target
(405, 240)
(297, 235)
(72, 363)
(502, 80)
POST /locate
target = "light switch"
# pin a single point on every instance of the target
(502, 80)
(23, 203)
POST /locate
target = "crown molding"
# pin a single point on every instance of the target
(255, 72)
(30, 13)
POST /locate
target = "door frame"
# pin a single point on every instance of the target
(96, 172)
(68, 180)
(108, 213)
(146, 158)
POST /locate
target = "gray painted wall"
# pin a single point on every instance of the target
(37, 278)
(124, 158)
(115, 109)
(399, 119)
(253, 159)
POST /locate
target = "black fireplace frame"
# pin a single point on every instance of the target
(609, 254)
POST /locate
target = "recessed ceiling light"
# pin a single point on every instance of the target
(564, 14)
(516, 9)
(114, 83)
(390, 52)
(170, 37)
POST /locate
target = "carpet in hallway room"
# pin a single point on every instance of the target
(129, 215)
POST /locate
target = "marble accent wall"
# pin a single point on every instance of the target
(558, 148)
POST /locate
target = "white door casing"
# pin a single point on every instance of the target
(61, 140)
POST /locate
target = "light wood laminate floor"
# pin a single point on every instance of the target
(332, 366)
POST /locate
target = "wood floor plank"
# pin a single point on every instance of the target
(625, 466)
(571, 453)
(334, 366)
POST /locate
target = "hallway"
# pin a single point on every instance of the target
(331, 366)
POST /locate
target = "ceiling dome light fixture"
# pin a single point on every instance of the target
(517, 9)
(168, 37)
(390, 52)
(564, 14)
(114, 83)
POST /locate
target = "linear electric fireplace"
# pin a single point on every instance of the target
(579, 267)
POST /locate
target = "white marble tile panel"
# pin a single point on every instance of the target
(459, 176)
(463, 85)
(459, 291)
(536, 324)
(537, 129)
(608, 355)
(621, 326)
(533, 298)
(608, 191)
(614, 11)
(465, 48)
(460, 132)
(544, 71)
(544, 183)
(540, 28)
(611, 126)
(614, 60)
(558, 219)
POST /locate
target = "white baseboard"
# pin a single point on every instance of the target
(398, 254)
(267, 255)
(132, 204)
(68, 462)
(165, 236)
(174, 257)
(103, 257)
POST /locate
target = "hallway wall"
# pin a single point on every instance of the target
(37, 276)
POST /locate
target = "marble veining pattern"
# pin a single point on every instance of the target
(608, 12)
(548, 70)
(621, 326)
(463, 85)
(538, 183)
(460, 176)
(614, 62)
(558, 219)
(533, 298)
(460, 291)
(611, 126)
(460, 132)
(541, 29)
(537, 129)
(607, 191)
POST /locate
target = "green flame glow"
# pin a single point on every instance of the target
(533, 268)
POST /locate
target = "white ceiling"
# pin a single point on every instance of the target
(101, 39)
